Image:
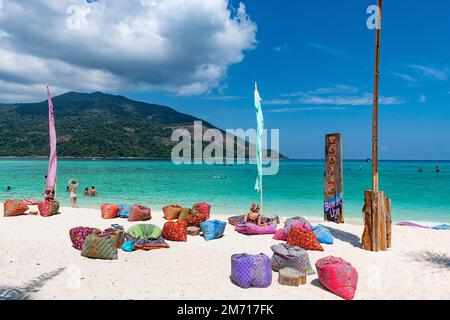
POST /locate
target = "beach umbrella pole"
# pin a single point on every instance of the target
(377, 207)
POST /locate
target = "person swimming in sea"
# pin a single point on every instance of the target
(420, 169)
(73, 184)
(67, 189)
(8, 188)
(86, 191)
(438, 168)
(93, 192)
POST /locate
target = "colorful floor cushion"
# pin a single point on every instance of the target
(251, 270)
(128, 246)
(172, 212)
(338, 276)
(297, 222)
(281, 234)
(213, 229)
(144, 231)
(441, 227)
(184, 212)
(323, 234)
(14, 208)
(303, 238)
(175, 231)
(48, 208)
(124, 211)
(286, 256)
(96, 247)
(253, 229)
(116, 236)
(203, 208)
(109, 211)
(147, 245)
(140, 213)
(234, 221)
(79, 234)
(194, 218)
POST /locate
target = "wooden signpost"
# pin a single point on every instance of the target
(333, 179)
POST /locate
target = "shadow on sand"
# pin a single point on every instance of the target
(26, 291)
(436, 259)
(345, 237)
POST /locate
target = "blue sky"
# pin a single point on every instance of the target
(324, 47)
(313, 61)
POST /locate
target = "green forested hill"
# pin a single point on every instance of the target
(91, 125)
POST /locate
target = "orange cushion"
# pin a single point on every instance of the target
(303, 238)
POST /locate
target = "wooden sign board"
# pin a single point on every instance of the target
(333, 179)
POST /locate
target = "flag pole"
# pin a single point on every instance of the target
(260, 161)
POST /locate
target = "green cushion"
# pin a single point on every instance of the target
(145, 231)
(184, 214)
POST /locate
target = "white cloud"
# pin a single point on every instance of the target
(404, 76)
(430, 72)
(282, 48)
(332, 51)
(364, 99)
(422, 98)
(184, 47)
(277, 102)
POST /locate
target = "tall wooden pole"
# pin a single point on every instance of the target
(375, 186)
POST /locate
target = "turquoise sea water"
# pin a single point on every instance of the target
(297, 189)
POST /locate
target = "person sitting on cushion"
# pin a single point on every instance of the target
(254, 216)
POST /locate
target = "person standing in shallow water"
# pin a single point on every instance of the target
(93, 192)
(438, 168)
(86, 191)
(73, 192)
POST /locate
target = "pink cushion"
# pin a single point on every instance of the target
(253, 229)
(281, 234)
(338, 276)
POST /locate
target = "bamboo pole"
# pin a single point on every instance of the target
(375, 185)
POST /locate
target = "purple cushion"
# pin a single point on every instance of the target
(251, 271)
(253, 229)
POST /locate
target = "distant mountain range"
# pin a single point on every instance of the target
(95, 125)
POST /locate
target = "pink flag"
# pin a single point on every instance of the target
(51, 176)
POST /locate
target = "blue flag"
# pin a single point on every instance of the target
(259, 134)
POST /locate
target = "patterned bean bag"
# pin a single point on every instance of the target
(303, 238)
(281, 234)
(213, 229)
(323, 234)
(79, 234)
(194, 218)
(297, 222)
(96, 247)
(338, 276)
(286, 256)
(124, 211)
(253, 229)
(14, 208)
(171, 212)
(147, 245)
(251, 271)
(117, 236)
(140, 213)
(48, 208)
(184, 212)
(203, 208)
(144, 231)
(109, 211)
(175, 231)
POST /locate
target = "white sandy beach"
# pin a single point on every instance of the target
(37, 259)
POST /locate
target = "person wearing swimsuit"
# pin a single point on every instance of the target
(73, 192)
(254, 216)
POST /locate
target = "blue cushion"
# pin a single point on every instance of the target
(323, 234)
(213, 229)
(442, 227)
(128, 246)
(124, 211)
